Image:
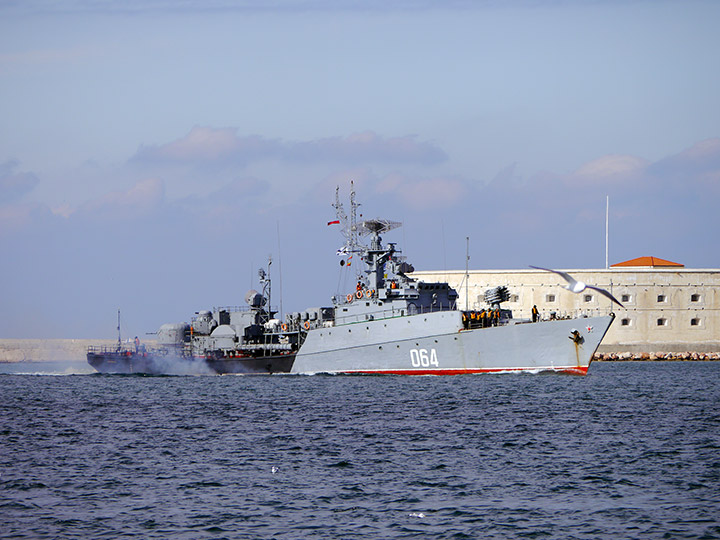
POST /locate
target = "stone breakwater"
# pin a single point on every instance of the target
(681, 356)
(48, 350)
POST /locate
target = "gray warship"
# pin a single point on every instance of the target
(390, 323)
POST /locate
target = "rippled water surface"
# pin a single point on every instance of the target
(632, 450)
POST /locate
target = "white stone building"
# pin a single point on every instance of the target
(667, 307)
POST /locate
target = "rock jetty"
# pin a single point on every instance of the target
(681, 356)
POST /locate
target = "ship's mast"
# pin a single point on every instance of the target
(467, 271)
(375, 256)
(353, 218)
(266, 284)
(349, 227)
(339, 210)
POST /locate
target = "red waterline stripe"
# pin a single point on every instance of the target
(570, 370)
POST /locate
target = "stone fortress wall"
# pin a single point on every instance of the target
(667, 310)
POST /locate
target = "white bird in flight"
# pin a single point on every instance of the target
(578, 286)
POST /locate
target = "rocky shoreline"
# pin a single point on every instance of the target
(657, 356)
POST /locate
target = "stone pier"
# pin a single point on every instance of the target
(47, 350)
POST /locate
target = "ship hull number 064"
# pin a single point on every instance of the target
(423, 357)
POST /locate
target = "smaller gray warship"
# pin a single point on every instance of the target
(390, 324)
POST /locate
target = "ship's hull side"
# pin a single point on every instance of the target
(436, 343)
(161, 364)
(144, 363)
(260, 365)
(426, 344)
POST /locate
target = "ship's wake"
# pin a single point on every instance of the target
(179, 365)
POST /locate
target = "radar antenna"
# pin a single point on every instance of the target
(378, 226)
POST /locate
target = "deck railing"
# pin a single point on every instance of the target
(391, 313)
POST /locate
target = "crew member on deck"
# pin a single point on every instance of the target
(535, 314)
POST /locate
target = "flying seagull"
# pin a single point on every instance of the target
(578, 286)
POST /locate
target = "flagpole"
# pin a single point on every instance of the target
(607, 221)
(467, 271)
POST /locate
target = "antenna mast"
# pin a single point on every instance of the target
(266, 284)
(280, 268)
(467, 271)
(349, 227)
(353, 218)
(341, 217)
(607, 221)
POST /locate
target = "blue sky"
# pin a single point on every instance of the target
(153, 154)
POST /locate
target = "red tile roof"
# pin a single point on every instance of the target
(649, 261)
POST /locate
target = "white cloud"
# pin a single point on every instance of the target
(422, 193)
(611, 168)
(141, 199)
(700, 161)
(707, 150)
(207, 146)
(14, 217)
(13, 185)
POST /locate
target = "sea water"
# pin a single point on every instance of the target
(632, 450)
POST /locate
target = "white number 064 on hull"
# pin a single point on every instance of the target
(423, 358)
